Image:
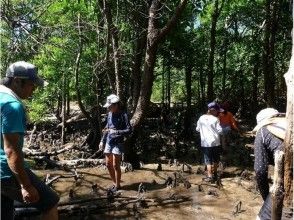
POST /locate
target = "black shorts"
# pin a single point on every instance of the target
(11, 191)
(211, 154)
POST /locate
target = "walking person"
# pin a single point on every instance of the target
(228, 123)
(18, 182)
(210, 130)
(270, 132)
(117, 128)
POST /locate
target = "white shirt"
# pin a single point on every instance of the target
(210, 130)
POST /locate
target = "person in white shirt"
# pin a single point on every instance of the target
(209, 127)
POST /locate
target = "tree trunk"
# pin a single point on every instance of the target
(136, 71)
(277, 187)
(268, 53)
(168, 87)
(154, 36)
(105, 6)
(210, 74)
(288, 166)
(225, 50)
(255, 73)
(188, 83)
(63, 135)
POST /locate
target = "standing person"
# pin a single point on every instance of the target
(270, 132)
(18, 182)
(118, 126)
(209, 127)
(228, 123)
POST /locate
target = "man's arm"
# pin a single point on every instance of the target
(15, 159)
(218, 127)
(128, 127)
(261, 164)
(16, 164)
(198, 126)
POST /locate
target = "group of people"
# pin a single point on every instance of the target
(215, 127)
(19, 183)
(270, 132)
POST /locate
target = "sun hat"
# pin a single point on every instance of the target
(111, 99)
(25, 70)
(269, 117)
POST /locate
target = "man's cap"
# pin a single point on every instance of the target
(25, 70)
(111, 99)
(214, 106)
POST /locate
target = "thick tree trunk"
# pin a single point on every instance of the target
(288, 166)
(154, 36)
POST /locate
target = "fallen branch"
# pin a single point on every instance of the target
(30, 153)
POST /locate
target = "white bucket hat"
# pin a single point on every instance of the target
(276, 125)
(111, 99)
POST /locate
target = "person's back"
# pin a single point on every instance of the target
(209, 128)
(227, 119)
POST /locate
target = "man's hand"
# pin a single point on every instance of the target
(101, 146)
(30, 194)
(112, 131)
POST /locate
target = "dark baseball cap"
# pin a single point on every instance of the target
(214, 106)
(25, 70)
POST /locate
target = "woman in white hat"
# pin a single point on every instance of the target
(117, 128)
(269, 138)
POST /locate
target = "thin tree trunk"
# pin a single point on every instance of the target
(210, 74)
(268, 54)
(255, 73)
(105, 6)
(63, 135)
(225, 50)
(188, 83)
(168, 87)
(277, 187)
(136, 71)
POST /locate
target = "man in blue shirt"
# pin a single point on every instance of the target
(17, 181)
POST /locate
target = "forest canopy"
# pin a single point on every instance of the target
(234, 50)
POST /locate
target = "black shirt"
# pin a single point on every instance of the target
(265, 146)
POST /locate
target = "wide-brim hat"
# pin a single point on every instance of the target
(276, 125)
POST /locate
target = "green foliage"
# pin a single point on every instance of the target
(51, 41)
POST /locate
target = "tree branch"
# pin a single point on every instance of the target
(169, 25)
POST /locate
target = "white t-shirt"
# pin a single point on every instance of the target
(210, 130)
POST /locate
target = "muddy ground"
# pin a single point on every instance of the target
(210, 202)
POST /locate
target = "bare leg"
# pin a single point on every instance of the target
(209, 170)
(116, 166)
(109, 164)
(51, 214)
